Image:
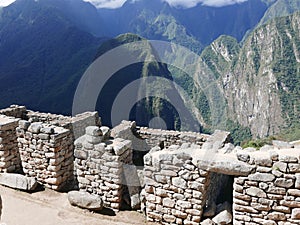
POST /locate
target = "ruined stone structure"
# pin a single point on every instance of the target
(41, 145)
(271, 193)
(175, 188)
(99, 164)
(173, 177)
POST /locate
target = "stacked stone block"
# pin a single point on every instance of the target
(99, 163)
(174, 188)
(15, 111)
(271, 195)
(155, 137)
(9, 156)
(46, 153)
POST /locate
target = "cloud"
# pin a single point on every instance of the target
(175, 3)
(192, 3)
(112, 4)
(5, 2)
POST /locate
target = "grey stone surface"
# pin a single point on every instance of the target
(224, 217)
(18, 181)
(85, 200)
(226, 166)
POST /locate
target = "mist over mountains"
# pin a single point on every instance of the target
(46, 46)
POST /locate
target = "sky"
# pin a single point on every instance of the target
(6, 2)
(181, 3)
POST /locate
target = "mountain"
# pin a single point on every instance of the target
(249, 58)
(151, 97)
(42, 56)
(158, 20)
(279, 9)
(261, 79)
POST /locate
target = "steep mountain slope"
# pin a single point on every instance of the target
(42, 56)
(157, 20)
(279, 9)
(153, 20)
(151, 98)
(261, 81)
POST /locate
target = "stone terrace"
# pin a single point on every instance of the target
(173, 177)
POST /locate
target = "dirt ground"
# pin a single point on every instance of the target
(52, 208)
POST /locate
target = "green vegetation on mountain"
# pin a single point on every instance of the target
(280, 8)
(156, 98)
(261, 79)
(42, 57)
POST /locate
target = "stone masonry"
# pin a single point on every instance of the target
(270, 195)
(183, 172)
(175, 187)
(9, 156)
(99, 163)
(46, 153)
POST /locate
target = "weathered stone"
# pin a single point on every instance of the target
(262, 177)
(167, 202)
(281, 166)
(207, 222)
(169, 218)
(276, 216)
(216, 140)
(225, 165)
(276, 190)
(93, 131)
(282, 209)
(297, 183)
(256, 192)
(228, 148)
(23, 124)
(35, 127)
(224, 217)
(93, 139)
(105, 132)
(184, 204)
(281, 144)
(85, 200)
(263, 160)
(282, 182)
(18, 181)
(193, 212)
(47, 130)
(296, 214)
(294, 167)
(260, 207)
(294, 192)
(179, 214)
(243, 156)
(179, 182)
(244, 209)
(81, 154)
(288, 158)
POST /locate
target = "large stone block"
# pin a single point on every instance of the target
(262, 177)
(225, 217)
(225, 165)
(18, 181)
(85, 200)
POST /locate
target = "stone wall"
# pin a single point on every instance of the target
(270, 195)
(9, 156)
(174, 187)
(99, 163)
(15, 111)
(46, 153)
(166, 138)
